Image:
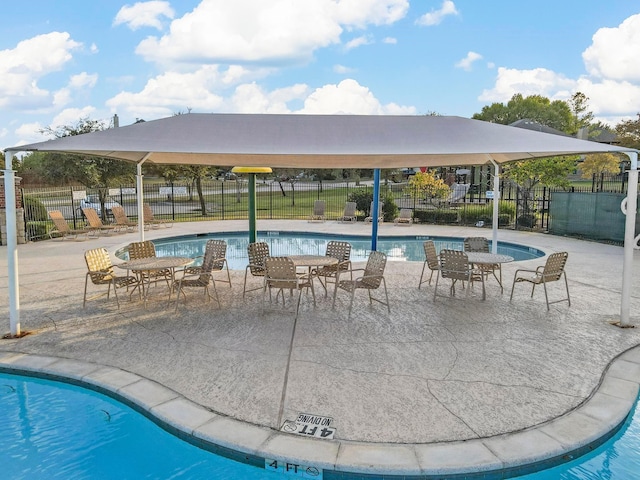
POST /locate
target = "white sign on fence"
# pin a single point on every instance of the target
(173, 191)
(79, 194)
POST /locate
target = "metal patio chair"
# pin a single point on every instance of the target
(551, 271)
(455, 266)
(371, 278)
(280, 274)
(341, 251)
(431, 260)
(100, 272)
(257, 252)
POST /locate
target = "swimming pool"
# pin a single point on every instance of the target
(405, 248)
(55, 430)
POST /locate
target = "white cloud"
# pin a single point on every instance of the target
(538, 81)
(70, 116)
(436, 16)
(83, 79)
(29, 133)
(358, 42)
(172, 92)
(611, 85)
(144, 14)
(349, 97)
(250, 98)
(390, 40)
(32, 59)
(275, 32)
(466, 62)
(341, 69)
(613, 53)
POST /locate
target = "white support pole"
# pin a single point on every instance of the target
(496, 206)
(140, 196)
(12, 245)
(629, 239)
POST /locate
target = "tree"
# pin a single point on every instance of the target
(425, 185)
(550, 172)
(556, 114)
(600, 163)
(582, 118)
(628, 132)
(91, 171)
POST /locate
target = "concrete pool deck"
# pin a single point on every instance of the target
(456, 386)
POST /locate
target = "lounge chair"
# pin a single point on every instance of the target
(95, 223)
(405, 217)
(380, 213)
(257, 252)
(151, 221)
(481, 244)
(318, 211)
(551, 271)
(63, 229)
(202, 276)
(371, 279)
(280, 274)
(349, 214)
(216, 249)
(122, 221)
(431, 260)
(100, 272)
(341, 251)
(454, 265)
(147, 249)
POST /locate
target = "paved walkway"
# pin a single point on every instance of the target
(404, 390)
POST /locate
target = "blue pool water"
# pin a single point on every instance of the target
(407, 248)
(52, 430)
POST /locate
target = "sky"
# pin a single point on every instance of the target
(65, 61)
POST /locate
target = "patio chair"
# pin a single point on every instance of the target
(147, 249)
(431, 260)
(63, 229)
(150, 221)
(216, 249)
(100, 272)
(481, 244)
(371, 279)
(380, 213)
(551, 271)
(202, 276)
(349, 214)
(122, 220)
(318, 211)
(95, 223)
(405, 218)
(280, 274)
(341, 251)
(257, 252)
(454, 265)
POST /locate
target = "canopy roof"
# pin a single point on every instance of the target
(319, 141)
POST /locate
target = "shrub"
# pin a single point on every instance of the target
(528, 221)
(363, 199)
(34, 209)
(442, 216)
(37, 230)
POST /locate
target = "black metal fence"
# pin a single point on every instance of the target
(226, 200)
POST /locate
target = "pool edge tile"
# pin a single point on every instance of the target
(444, 458)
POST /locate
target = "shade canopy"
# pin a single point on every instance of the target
(319, 141)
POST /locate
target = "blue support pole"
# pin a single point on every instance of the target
(375, 213)
(252, 208)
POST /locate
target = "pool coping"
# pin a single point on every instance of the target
(539, 447)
